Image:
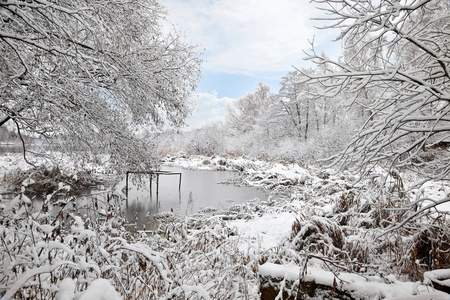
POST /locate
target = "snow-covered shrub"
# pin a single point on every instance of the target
(428, 248)
(317, 235)
(360, 251)
(45, 180)
(207, 140)
(382, 227)
(210, 259)
(346, 206)
(64, 246)
(40, 247)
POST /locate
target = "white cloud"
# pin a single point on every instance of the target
(246, 37)
(209, 108)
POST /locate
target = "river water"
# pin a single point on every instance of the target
(201, 192)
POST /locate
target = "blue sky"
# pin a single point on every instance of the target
(245, 42)
(235, 85)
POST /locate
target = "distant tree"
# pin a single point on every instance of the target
(306, 111)
(290, 99)
(243, 115)
(85, 75)
(207, 140)
(397, 64)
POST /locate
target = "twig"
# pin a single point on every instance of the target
(23, 144)
(414, 215)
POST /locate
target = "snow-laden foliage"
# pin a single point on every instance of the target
(45, 180)
(346, 228)
(207, 140)
(384, 101)
(85, 75)
(62, 246)
(397, 66)
(314, 223)
(243, 115)
(283, 126)
(325, 221)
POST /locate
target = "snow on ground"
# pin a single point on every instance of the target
(9, 162)
(271, 227)
(434, 191)
(296, 173)
(200, 162)
(265, 232)
(69, 167)
(100, 289)
(362, 287)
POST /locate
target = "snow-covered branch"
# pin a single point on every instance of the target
(394, 52)
(90, 73)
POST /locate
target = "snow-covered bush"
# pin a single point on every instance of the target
(207, 140)
(41, 247)
(317, 235)
(423, 248)
(63, 246)
(45, 180)
(211, 261)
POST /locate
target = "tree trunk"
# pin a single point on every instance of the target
(307, 120)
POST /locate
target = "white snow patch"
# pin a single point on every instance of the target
(201, 292)
(435, 191)
(268, 230)
(100, 289)
(363, 287)
(66, 289)
(28, 181)
(439, 276)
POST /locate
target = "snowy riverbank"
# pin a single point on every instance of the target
(315, 227)
(334, 218)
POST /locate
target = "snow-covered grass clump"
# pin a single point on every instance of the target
(317, 234)
(42, 247)
(350, 225)
(48, 175)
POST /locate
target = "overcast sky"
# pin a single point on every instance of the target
(244, 42)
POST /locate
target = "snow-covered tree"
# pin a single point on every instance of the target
(243, 115)
(83, 76)
(207, 140)
(307, 112)
(290, 98)
(405, 72)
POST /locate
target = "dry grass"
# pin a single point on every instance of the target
(427, 249)
(47, 180)
(203, 253)
(317, 235)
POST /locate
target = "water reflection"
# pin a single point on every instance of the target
(201, 191)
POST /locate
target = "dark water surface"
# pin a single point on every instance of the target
(201, 191)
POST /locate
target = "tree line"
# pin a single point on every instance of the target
(383, 101)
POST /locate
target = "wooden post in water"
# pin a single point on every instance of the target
(151, 173)
(126, 188)
(151, 179)
(157, 187)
